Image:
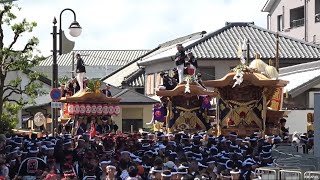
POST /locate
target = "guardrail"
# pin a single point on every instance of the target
(311, 175)
(278, 173)
(268, 173)
(297, 23)
(290, 174)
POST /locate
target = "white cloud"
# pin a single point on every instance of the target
(137, 24)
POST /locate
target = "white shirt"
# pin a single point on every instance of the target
(124, 175)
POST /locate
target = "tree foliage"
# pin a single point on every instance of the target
(9, 118)
(14, 92)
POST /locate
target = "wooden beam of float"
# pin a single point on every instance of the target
(90, 97)
(195, 90)
(253, 78)
(256, 79)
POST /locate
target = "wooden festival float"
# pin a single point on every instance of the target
(91, 103)
(187, 106)
(249, 99)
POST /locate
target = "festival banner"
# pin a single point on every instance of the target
(277, 99)
(258, 108)
(223, 109)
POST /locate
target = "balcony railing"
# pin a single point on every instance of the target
(297, 23)
(317, 17)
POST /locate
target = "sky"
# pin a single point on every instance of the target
(133, 24)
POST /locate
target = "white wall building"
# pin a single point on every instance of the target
(296, 18)
(304, 82)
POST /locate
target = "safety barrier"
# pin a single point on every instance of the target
(268, 173)
(312, 175)
(290, 174)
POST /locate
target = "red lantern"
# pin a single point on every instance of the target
(117, 110)
(111, 110)
(99, 109)
(71, 108)
(105, 109)
(82, 109)
(88, 109)
(76, 109)
(93, 109)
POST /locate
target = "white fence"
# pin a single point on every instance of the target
(275, 173)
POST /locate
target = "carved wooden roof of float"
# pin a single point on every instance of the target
(88, 96)
(256, 79)
(179, 90)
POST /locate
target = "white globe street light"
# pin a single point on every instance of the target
(75, 29)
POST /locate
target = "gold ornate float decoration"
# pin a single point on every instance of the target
(247, 96)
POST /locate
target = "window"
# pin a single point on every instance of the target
(297, 17)
(129, 125)
(311, 98)
(157, 80)
(208, 73)
(139, 90)
(317, 11)
(280, 23)
(150, 84)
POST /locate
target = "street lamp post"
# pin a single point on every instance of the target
(75, 31)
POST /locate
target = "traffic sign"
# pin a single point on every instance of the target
(56, 105)
(55, 94)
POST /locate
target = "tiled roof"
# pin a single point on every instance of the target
(136, 79)
(115, 78)
(168, 49)
(301, 77)
(223, 43)
(131, 97)
(39, 101)
(98, 57)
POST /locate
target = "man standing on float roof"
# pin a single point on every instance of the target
(180, 61)
(81, 71)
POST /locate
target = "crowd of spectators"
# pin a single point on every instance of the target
(138, 155)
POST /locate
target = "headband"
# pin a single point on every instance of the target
(166, 175)
(111, 167)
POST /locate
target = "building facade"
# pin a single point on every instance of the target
(24, 76)
(296, 18)
(299, 100)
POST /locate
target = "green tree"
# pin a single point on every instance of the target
(13, 95)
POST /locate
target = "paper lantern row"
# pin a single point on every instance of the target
(93, 109)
